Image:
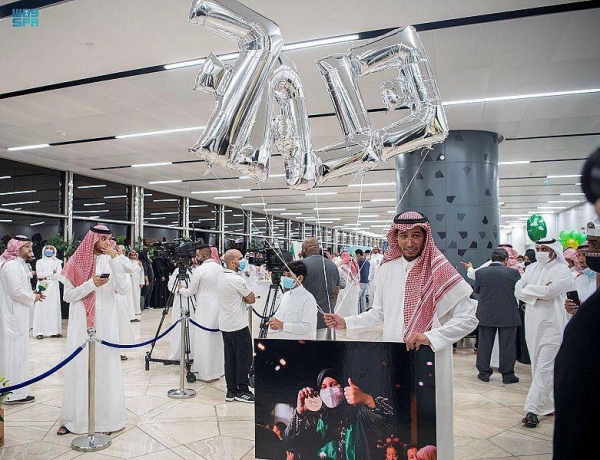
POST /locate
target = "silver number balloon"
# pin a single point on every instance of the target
(414, 88)
(235, 130)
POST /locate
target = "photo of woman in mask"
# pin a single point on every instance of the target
(337, 420)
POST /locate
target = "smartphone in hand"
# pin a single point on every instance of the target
(105, 275)
(574, 297)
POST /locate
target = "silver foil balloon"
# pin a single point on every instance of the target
(414, 88)
(237, 125)
(289, 130)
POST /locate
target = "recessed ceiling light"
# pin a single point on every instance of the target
(333, 208)
(320, 193)
(154, 133)
(19, 203)
(28, 147)
(204, 192)
(254, 204)
(275, 209)
(228, 197)
(5, 177)
(36, 223)
(94, 204)
(573, 194)
(564, 201)
(551, 207)
(92, 186)
(165, 199)
(18, 192)
(145, 165)
(522, 96)
(112, 197)
(172, 181)
(560, 176)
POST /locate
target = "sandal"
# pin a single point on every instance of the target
(107, 433)
(62, 431)
(530, 420)
(40, 337)
(123, 358)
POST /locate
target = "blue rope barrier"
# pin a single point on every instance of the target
(45, 374)
(147, 342)
(204, 328)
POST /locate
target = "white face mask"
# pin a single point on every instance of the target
(332, 396)
(542, 257)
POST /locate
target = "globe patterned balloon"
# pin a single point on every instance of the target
(536, 227)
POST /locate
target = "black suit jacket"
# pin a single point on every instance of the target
(497, 306)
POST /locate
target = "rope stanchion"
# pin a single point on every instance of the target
(48, 373)
(182, 392)
(204, 328)
(142, 344)
(92, 441)
(263, 317)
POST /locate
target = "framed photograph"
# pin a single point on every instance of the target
(334, 400)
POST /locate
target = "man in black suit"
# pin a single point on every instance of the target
(497, 311)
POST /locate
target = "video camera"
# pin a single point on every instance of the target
(276, 260)
(182, 252)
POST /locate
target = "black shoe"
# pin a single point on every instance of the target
(530, 420)
(245, 396)
(230, 396)
(26, 400)
(510, 379)
(483, 378)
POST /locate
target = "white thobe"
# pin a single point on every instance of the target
(109, 389)
(375, 261)
(207, 346)
(347, 299)
(175, 345)
(585, 286)
(137, 281)
(543, 289)
(298, 313)
(47, 317)
(18, 297)
(471, 271)
(454, 319)
(128, 269)
(2, 313)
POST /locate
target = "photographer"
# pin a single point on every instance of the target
(207, 346)
(234, 295)
(296, 316)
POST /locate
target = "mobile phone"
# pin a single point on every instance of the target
(574, 296)
(104, 275)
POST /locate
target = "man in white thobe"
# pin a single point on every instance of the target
(137, 281)
(128, 269)
(207, 346)
(47, 317)
(421, 300)
(18, 297)
(375, 260)
(93, 303)
(543, 288)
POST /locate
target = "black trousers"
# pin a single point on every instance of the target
(507, 350)
(238, 359)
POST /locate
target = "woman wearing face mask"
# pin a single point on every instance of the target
(47, 318)
(336, 422)
(530, 257)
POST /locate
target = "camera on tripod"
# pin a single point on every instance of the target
(276, 260)
(182, 253)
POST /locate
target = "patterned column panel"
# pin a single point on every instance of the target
(456, 186)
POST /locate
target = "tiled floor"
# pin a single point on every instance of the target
(486, 415)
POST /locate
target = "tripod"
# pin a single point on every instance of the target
(270, 305)
(183, 277)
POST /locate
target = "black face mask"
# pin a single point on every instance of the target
(527, 263)
(592, 259)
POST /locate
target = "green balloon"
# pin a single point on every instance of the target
(536, 227)
(564, 235)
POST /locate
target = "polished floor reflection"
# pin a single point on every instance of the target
(486, 415)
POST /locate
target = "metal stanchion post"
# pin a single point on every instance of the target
(182, 392)
(92, 441)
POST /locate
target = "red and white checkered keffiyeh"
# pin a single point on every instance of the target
(431, 278)
(81, 266)
(350, 265)
(214, 255)
(513, 258)
(13, 247)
